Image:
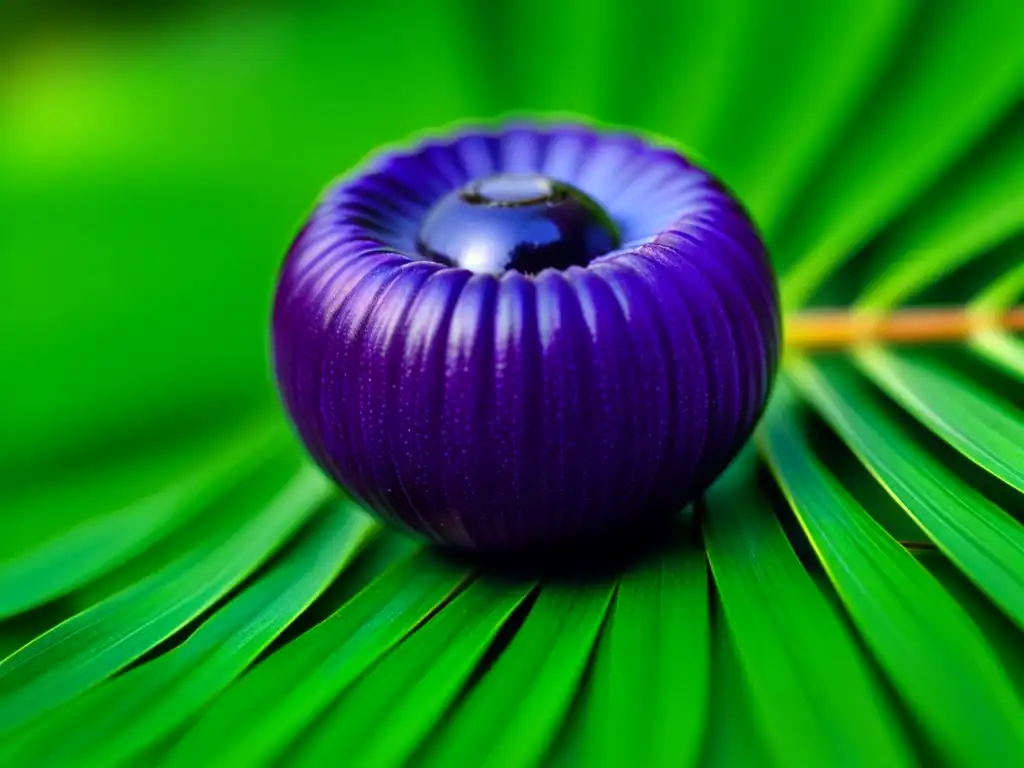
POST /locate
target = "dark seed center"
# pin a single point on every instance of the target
(522, 222)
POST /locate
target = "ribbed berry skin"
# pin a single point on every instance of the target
(517, 411)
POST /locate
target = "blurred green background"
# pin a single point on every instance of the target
(156, 163)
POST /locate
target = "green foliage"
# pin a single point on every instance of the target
(977, 423)
(177, 583)
(984, 541)
(117, 720)
(279, 700)
(934, 655)
(513, 713)
(790, 639)
(648, 691)
(104, 638)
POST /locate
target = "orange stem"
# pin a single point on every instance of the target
(822, 329)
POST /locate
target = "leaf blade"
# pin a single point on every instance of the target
(986, 543)
(733, 736)
(114, 722)
(648, 693)
(986, 430)
(934, 655)
(998, 346)
(973, 209)
(511, 716)
(85, 550)
(387, 714)
(97, 642)
(271, 706)
(799, 74)
(789, 639)
(906, 136)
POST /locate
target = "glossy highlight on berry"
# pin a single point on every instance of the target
(527, 337)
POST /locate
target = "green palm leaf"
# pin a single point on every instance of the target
(971, 211)
(995, 344)
(732, 735)
(982, 539)
(93, 644)
(975, 422)
(47, 564)
(386, 714)
(828, 57)
(790, 639)
(908, 133)
(113, 722)
(179, 585)
(513, 714)
(933, 653)
(278, 701)
(648, 690)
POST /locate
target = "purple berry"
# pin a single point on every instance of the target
(525, 338)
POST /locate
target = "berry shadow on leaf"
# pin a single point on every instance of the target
(583, 563)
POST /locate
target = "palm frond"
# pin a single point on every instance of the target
(734, 734)
(932, 652)
(908, 133)
(117, 721)
(387, 713)
(119, 514)
(179, 585)
(790, 639)
(974, 421)
(515, 711)
(993, 344)
(647, 695)
(274, 704)
(985, 542)
(103, 639)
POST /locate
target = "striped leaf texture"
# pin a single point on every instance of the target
(180, 585)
